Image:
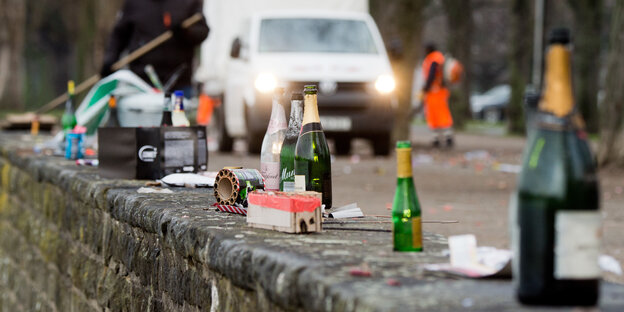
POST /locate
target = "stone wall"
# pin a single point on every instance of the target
(71, 241)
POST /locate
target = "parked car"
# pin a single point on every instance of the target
(258, 45)
(492, 104)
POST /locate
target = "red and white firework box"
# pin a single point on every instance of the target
(285, 211)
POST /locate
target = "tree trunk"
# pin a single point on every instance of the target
(12, 24)
(611, 149)
(519, 62)
(459, 19)
(401, 21)
(587, 14)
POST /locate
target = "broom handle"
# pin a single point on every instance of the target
(121, 63)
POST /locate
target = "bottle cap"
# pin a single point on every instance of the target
(296, 96)
(70, 87)
(178, 93)
(404, 144)
(310, 89)
(559, 35)
(112, 102)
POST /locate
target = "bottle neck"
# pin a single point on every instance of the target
(404, 163)
(179, 106)
(310, 111)
(69, 107)
(296, 114)
(558, 98)
(167, 104)
(278, 116)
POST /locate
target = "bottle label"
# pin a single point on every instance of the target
(416, 232)
(289, 186)
(270, 172)
(577, 244)
(300, 183)
(404, 162)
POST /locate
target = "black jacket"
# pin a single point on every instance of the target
(140, 21)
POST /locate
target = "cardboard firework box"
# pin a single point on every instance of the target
(285, 211)
(151, 153)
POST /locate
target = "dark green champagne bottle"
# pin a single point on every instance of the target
(556, 235)
(68, 120)
(287, 154)
(312, 158)
(406, 222)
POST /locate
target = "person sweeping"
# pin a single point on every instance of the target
(435, 95)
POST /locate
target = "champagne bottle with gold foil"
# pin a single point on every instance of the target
(557, 224)
(312, 158)
(406, 222)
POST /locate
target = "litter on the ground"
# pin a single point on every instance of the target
(188, 180)
(508, 168)
(148, 190)
(347, 211)
(237, 209)
(609, 264)
(468, 260)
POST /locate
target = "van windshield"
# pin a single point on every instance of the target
(316, 35)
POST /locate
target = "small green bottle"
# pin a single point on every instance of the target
(406, 223)
(68, 120)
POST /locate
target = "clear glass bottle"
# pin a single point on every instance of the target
(272, 143)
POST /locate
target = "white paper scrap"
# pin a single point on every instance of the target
(347, 211)
(147, 190)
(188, 179)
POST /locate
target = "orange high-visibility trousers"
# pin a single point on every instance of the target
(436, 108)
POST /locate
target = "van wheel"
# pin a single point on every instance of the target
(225, 141)
(381, 144)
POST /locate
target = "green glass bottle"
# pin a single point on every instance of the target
(68, 120)
(406, 222)
(287, 154)
(557, 227)
(312, 158)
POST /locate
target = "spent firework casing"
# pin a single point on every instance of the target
(232, 186)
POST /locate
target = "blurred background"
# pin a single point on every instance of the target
(43, 43)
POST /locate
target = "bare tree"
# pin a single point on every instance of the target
(611, 150)
(587, 27)
(12, 23)
(401, 22)
(459, 19)
(519, 61)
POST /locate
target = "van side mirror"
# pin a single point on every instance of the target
(236, 48)
(395, 49)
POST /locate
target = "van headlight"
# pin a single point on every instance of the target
(265, 82)
(385, 84)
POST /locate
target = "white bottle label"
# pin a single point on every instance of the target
(577, 244)
(289, 186)
(270, 172)
(300, 183)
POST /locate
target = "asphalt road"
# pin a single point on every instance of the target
(463, 184)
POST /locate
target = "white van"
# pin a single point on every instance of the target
(341, 51)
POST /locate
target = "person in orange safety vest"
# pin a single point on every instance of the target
(435, 96)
